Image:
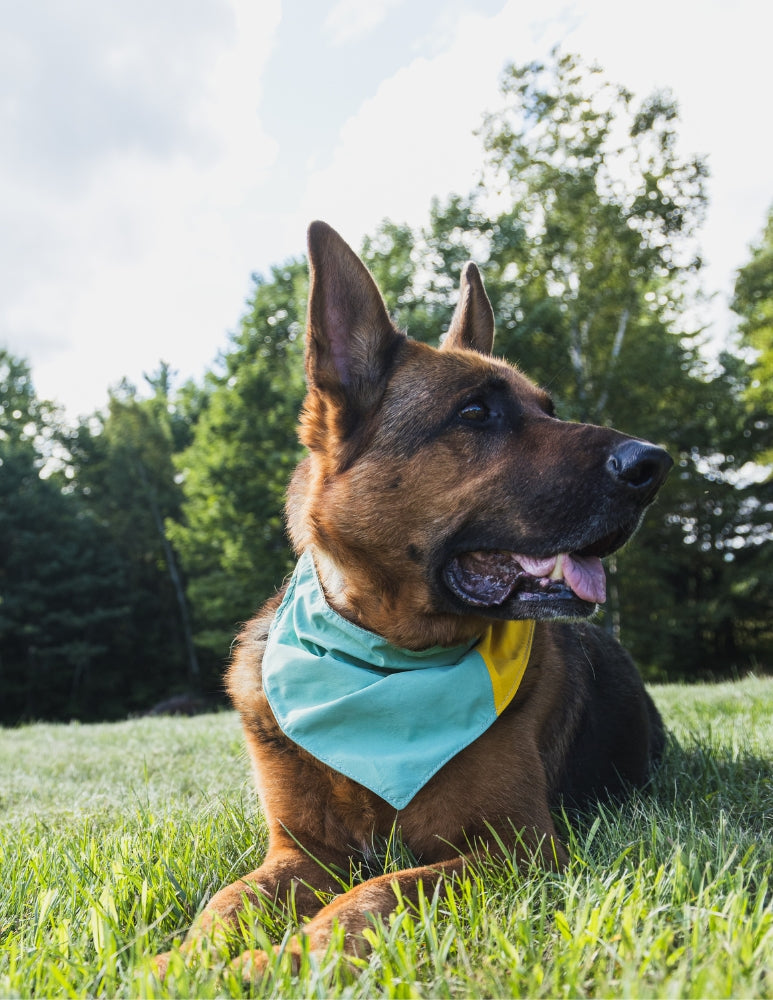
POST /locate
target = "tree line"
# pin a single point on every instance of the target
(132, 545)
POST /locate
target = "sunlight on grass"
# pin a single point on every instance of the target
(113, 837)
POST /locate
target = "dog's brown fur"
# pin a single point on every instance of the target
(416, 455)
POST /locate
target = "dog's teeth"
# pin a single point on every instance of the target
(558, 569)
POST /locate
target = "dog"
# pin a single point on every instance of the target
(429, 667)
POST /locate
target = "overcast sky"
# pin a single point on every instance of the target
(155, 153)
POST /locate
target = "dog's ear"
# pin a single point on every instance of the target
(472, 325)
(350, 341)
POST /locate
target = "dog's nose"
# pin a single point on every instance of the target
(640, 467)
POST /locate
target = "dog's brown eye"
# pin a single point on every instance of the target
(475, 412)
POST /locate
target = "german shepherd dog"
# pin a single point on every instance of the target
(429, 667)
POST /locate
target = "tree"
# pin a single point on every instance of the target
(61, 586)
(235, 472)
(124, 472)
(753, 302)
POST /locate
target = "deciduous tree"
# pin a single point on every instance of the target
(123, 465)
(234, 473)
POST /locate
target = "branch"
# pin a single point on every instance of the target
(578, 354)
(614, 354)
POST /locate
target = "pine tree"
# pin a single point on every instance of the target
(62, 593)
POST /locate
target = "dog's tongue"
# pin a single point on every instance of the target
(582, 574)
(490, 577)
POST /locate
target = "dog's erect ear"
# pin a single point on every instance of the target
(350, 341)
(472, 325)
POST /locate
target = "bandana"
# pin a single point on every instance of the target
(386, 717)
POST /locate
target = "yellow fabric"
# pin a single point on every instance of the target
(505, 649)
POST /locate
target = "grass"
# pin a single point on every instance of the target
(112, 837)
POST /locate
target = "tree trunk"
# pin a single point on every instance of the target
(174, 576)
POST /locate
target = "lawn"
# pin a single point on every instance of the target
(112, 837)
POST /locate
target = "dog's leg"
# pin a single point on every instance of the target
(286, 872)
(377, 898)
(354, 911)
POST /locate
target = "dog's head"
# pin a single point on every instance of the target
(440, 490)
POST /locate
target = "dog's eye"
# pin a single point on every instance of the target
(475, 412)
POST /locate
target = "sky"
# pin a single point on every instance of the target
(154, 154)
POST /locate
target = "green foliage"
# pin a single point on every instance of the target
(123, 470)
(753, 583)
(61, 587)
(753, 301)
(234, 474)
(106, 853)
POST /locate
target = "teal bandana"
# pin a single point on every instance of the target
(386, 717)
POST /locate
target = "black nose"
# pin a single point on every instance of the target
(640, 467)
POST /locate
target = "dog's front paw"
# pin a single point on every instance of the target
(160, 964)
(253, 964)
(198, 955)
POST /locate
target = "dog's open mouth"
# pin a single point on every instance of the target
(490, 577)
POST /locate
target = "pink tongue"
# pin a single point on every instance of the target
(584, 574)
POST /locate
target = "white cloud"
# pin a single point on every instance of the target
(350, 20)
(87, 82)
(413, 139)
(142, 246)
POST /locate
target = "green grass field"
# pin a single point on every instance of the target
(113, 836)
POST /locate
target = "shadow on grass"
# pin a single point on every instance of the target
(709, 778)
(714, 803)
